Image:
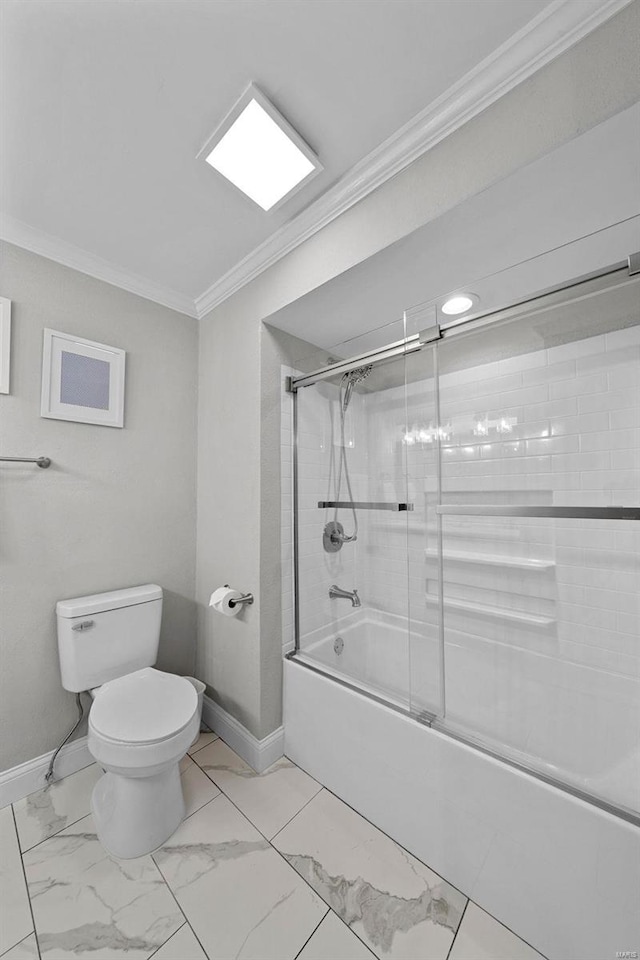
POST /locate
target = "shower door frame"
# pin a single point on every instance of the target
(595, 282)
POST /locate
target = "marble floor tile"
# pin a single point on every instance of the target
(196, 786)
(397, 905)
(45, 812)
(183, 945)
(238, 894)
(27, 949)
(206, 737)
(481, 937)
(15, 916)
(333, 939)
(268, 799)
(86, 903)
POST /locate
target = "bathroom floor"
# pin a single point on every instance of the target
(263, 866)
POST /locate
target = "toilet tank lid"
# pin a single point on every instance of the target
(100, 602)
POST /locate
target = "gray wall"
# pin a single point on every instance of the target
(116, 508)
(239, 506)
(591, 82)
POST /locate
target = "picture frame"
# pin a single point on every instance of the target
(82, 380)
(5, 345)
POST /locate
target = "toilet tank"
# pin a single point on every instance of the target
(107, 635)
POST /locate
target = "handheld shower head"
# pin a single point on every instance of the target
(357, 375)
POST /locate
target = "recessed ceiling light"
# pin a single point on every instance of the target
(459, 303)
(259, 151)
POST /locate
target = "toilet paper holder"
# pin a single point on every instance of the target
(244, 598)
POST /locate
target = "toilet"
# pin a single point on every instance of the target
(141, 721)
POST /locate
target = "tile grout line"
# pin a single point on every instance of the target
(517, 935)
(223, 793)
(323, 918)
(9, 949)
(175, 932)
(26, 884)
(455, 936)
(186, 919)
(345, 924)
(205, 745)
(303, 807)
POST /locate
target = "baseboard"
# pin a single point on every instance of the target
(20, 781)
(259, 754)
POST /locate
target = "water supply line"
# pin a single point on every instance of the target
(49, 774)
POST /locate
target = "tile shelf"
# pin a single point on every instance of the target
(494, 560)
(517, 616)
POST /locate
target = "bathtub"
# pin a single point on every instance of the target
(573, 723)
(560, 872)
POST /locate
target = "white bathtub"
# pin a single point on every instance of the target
(561, 873)
(572, 722)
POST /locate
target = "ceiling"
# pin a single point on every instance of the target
(107, 102)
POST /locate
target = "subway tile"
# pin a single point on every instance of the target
(629, 623)
(550, 373)
(606, 660)
(609, 360)
(578, 387)
(552, 409)
(626, 460)
(625, 377)
(614, 480)
(600, 460)
(580, 424)
(623, 338)
(552, 445)
(595, 403)
(610, 440)
(625, 419)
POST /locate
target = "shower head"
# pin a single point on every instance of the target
(357, 375)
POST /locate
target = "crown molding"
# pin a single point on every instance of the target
(53, 248)
(557, 27)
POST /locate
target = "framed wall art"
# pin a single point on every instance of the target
(82, 380)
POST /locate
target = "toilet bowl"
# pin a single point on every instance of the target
(140, 727)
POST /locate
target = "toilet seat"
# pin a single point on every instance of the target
(143, 708)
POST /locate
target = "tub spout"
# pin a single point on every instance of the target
(336, 591)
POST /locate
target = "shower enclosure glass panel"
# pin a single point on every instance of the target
(345, 507)
(351, 449)
(541, 615)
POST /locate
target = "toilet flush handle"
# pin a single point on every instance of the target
(83, 625)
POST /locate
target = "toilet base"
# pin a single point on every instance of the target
(135, 815)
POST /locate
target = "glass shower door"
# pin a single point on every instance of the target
(538, 436)
(357, 474)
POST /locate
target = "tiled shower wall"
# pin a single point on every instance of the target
(557, 426)
(318, 450)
